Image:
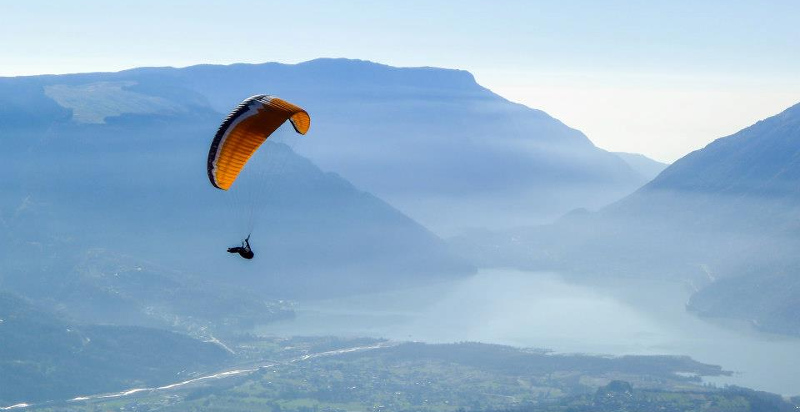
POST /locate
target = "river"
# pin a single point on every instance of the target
(543, 310)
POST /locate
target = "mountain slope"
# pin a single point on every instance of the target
(725, 219)
(742, 193)
(430, 141)
(433, 142)
(738, 195)
(121, 167)
(43, 357)
(757, 161)
(747, 187)
(642, 164)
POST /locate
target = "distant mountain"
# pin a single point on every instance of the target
(115, 164)
(432, 142)
(107, 287)
(730, 200)
(767, 297)
(44, 357)
(745, 190)
(725, 218)
(116, 161)
(757, 162)
(642, 164)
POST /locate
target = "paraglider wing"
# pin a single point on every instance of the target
(243, 132)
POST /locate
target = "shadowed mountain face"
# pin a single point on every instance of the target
(44, 357)
(431, 142)
(97, 162)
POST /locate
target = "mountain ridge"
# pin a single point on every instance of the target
(724, 219)
(432, 142)
(644, 165)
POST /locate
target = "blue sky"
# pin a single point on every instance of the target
(656, 77)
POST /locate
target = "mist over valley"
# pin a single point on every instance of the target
(427, 236)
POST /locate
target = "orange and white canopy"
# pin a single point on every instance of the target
(243, 132)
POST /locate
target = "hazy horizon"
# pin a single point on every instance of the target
(424, 206)
(634, 77)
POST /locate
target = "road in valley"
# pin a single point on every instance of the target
(188, 383)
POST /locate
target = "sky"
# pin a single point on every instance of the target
(660, 78)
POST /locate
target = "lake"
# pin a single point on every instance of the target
(543, 310)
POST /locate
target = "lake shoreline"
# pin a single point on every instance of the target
(547, 311)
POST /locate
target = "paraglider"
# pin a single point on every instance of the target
(243, 250)
(241, 134)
